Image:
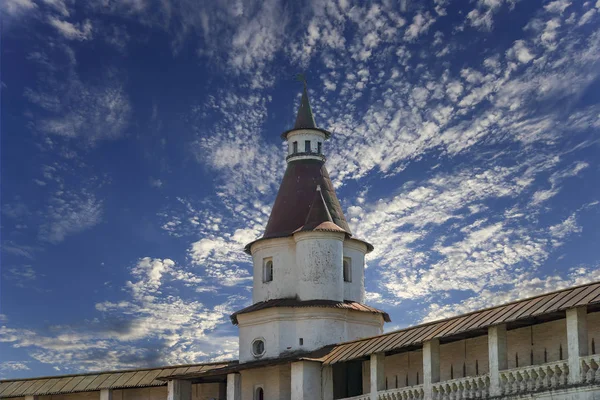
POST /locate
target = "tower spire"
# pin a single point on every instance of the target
(305, 118)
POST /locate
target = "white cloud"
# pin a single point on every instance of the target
(17, 7)
(520, 287)
(70, 212)
(520, 52)
(421, 23)
(81, 31)
(180, 330)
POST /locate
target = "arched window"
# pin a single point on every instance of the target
(347, 265)
(260, 394)
(267, 270)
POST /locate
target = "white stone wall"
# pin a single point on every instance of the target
(322, 278)
(275, 381)
(284, 284)
(319, 258)
(550, 336)
(281, 328)
(355, 251)
(306, 380)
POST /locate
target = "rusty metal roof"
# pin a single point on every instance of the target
(515, 312)
(295, 198)
(101, 380)
(305, 118)
(295, 303)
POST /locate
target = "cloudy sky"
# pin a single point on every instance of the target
(141, 152)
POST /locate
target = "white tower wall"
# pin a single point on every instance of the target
(300, 137)
(319, 257)
(355, 251)
(282, 328)
(282, 251)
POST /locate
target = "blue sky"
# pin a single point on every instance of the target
(141, 152)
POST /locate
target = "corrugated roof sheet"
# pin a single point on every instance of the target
(96, 381)
(519, 310)
(294, 303)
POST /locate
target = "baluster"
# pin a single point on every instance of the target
(533, 380)
(539, 382)
(596, 369)
(585, 371)
(483, 387)
(554, 379)
(504, 384)
(530, 379)
(511, 383)
(520, 382)
(468, 391)
(441, 392)
(549, 378)
(562, 374)
(472, 388)
(449, 393)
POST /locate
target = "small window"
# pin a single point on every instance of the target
(319, 147)
(267, 270)
(347, 270)
(307, 146)
(259, 394)
(295, 147)
(301, 341)
(258, 347)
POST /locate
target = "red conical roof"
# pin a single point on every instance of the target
(292, 207)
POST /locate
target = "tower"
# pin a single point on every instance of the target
(308, 280)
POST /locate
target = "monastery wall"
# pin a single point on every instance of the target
(471, 353)
(203, 391)
(274, 380)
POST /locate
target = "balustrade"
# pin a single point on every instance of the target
(590, 369)
(470, 387)
(534, 378)
(405, 393)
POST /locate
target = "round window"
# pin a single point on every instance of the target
(258, 347)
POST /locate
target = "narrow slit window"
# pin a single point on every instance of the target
(319, 147)
(295, 147)
(267, 270)
(307, 146)
(347, 265)
(301, 341)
